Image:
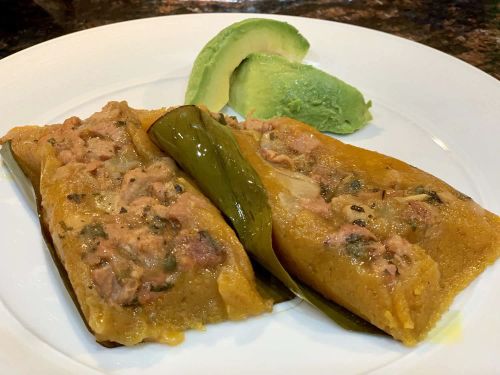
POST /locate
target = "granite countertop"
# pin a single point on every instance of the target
(467, 29)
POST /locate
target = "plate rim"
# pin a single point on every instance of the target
(249, 15)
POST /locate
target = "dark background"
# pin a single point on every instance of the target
(467, 29)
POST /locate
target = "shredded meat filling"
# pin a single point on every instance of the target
(388, 258)
(139, 248)
(360, 208)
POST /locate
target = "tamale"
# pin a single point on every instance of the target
(386, 240)
(147, 255)
(207, 150)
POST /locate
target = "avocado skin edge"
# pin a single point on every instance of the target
(212, 69)
(267, 86)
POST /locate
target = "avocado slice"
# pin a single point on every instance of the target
(212, 69)
(270, 86)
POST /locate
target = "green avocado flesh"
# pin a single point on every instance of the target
(212, 69)
(266, 86)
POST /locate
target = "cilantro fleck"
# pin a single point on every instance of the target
(93, 231)
(162, 288)
(170, 263)
(74, 197)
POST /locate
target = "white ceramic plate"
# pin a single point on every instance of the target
(429, 109)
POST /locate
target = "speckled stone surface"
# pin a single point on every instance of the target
(467, 29)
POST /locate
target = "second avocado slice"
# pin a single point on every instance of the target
(267, 86)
